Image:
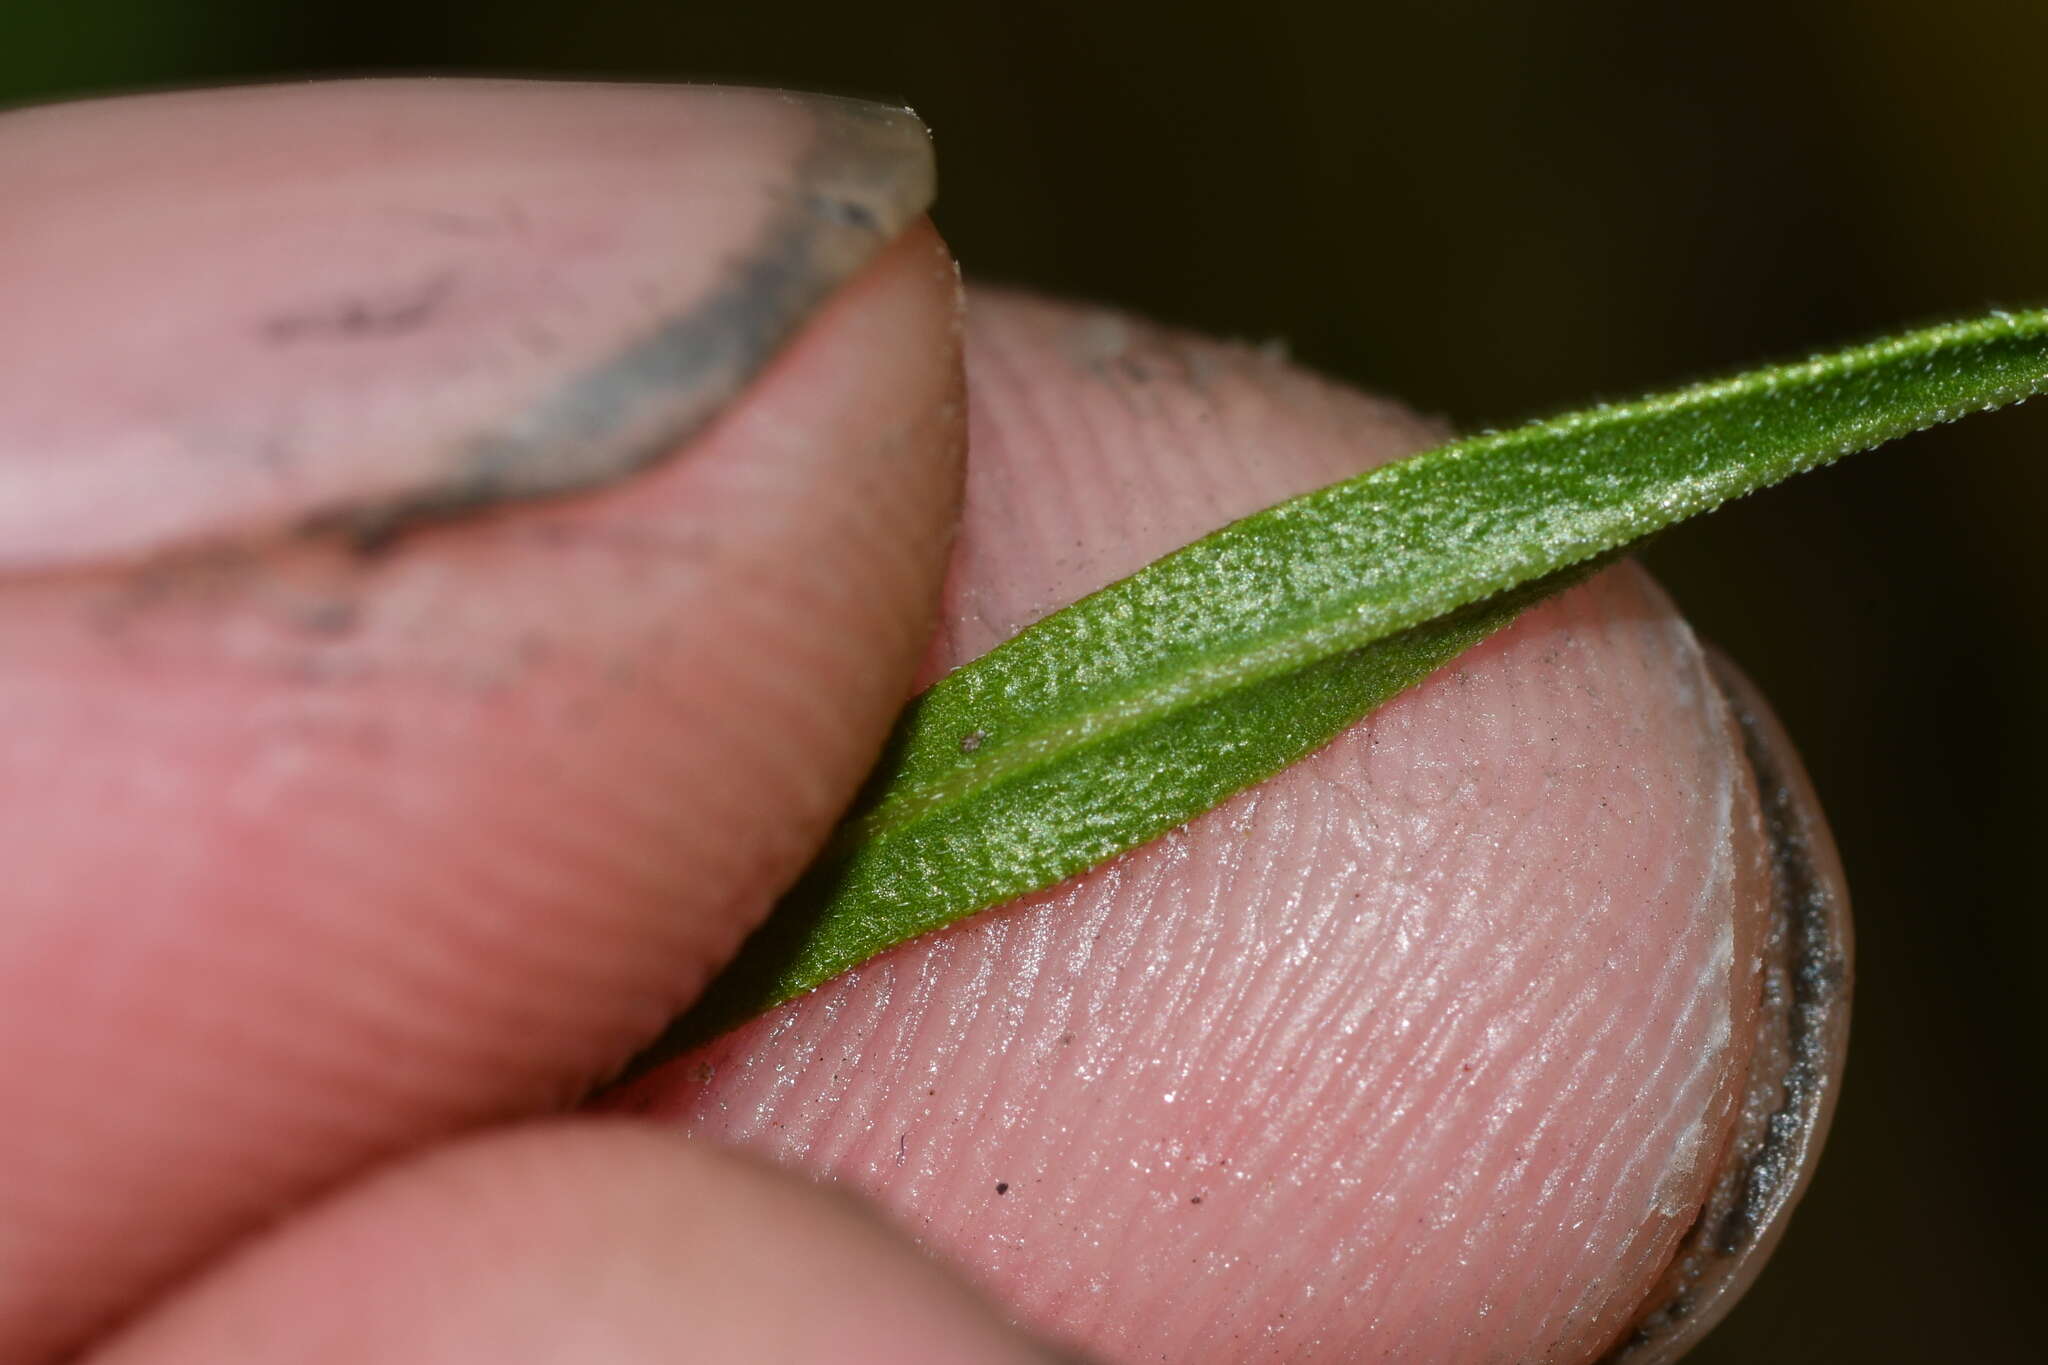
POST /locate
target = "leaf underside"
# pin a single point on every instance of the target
(1147, 703)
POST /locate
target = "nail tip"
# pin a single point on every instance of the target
(878, 156)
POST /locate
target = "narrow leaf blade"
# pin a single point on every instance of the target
(1160, 696)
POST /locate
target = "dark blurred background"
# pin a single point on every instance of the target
(1493, 210)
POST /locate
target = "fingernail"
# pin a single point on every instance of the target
(351, 307)
(1800, 1050)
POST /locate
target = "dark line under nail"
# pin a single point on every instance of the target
(645, 403)
(1804, 909)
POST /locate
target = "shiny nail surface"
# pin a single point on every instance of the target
(441, 295)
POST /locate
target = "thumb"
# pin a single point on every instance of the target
(1451, 1043)
(460, 544)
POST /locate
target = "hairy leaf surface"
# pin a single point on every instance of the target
(1155, 699)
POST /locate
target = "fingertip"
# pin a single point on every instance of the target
(1434, 1042)
(579, 1241)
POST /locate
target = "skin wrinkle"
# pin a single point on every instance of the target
(1484, 987)
(1659, 1221)
(1685, 1162)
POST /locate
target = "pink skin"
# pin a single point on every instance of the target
(359, 805)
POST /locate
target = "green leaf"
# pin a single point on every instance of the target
(1157, 698)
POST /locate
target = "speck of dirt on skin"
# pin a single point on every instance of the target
(1196, 1199)
(1002, 1187)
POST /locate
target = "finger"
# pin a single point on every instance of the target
(1429, 1049)
(420, 667)
(580, 1242)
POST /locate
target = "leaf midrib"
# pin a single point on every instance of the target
(1333, 625)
